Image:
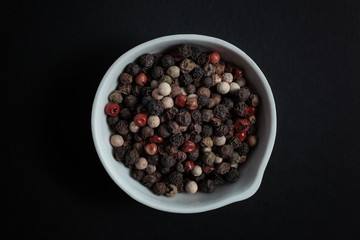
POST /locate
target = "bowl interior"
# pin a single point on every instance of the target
(251, 172)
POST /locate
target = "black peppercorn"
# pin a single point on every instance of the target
(119, 152)
(252, 130)
(157, 72)
(131, 157)
(254, 100)
(175, 178)
(137, 174)
(124, 88)
(195, 53)
(195, 128)
(153, 159)
(177, 140)
(190, 89)
(244, 149)
(167, 61)
(162, 131)
(185, 79)
(222, 130)
(159, 188)
(203, 101)
(221, 111)
(194, 155)
(155, 107)
(133, 69)
(218, 179)
(147, 60)
(196, 116)
(130, 101)
(235, 142)
(167, 161)
(181, 156)
(207, 186)
(146, 132)
(203, 59)
(122, 127)
(197, 72)
(183, 51)
(207, 130)
(240, 109)
(207, 82)
(112, 121)
(207, 114)
(216, 122)
(196, 138)
(148, 180)
(183, 118)
(125, 78)
(228, 102)
(226, 151)
(233, 175)
(243, 94)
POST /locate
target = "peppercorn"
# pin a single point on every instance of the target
(187, 65)
(220, 67)
(133, 69)
(227, 77)
(183, 51)
(175, 178)
(209, 69)
(235, 158)
(167, 161)
(207, 130)
(216, 78)
(242, 159)
(147, 60)
(167, 61)
(174, 127)
(207, 186)
(227, 102)
(148, 180)
(203, 59)
(173, 71)
(252, 141)
(243, 94)
(122, 127)
(157, 72)
(171, 190)
(185, 79)
(240, 109)
(196, 171)
(216, 97)
(218, 179)
(165, 170)
(207, 82)
(141, 163)
(223, 168)
(244, 149)
(241, 81)
(191, 103)
(116, 140)
(164, 89)
(223, 87)
(254, 100)
(233, 175)
(234, 88)
(203, 91)
(155, 107)
(112, 121)
(207, 142)
(222, 130)
(130, 101)
(159, 188)
(183, 118)
(131, 157)
(162, 131)
(116, 97)
(226, 151)
(235, 142)
(175, 90)
(125, 78)
(203, 101)
(252, 130)
(196, 138)
(181, 156)
(219, 141)
(153, 159)
(197, 72)
(209, 158)
(191, 187)
(216, 122)
(177, 140)
(196, 116)
(147, 132)
(207, 114)
(137, 174)
(120, 152)
(124, 88)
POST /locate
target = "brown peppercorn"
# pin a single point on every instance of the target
(137, 174)
(203, 91)
(175, 178)
(130, 101)
(131, 157)
(207, 114)
(203, 59)
(124, 88)
(244, 149)
(162, 131)
(223, 168)
(254, 100)
(252, 140)
(125, 78)
(209, 69)
(147, 132)
(181, 156)
(174, 127)
(211, 103)
(122, 127)
(120, 152)
(207, 82)
(159, 188)
(183, 118)
(148, 180)
(216, 97)
(207, 142)
(116, 97)
(187, 65)
(195, 128)
(216, 122)
(226, 151)
(220, 67)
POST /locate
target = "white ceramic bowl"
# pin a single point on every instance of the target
(251, 173)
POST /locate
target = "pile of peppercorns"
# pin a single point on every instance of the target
(183, 121)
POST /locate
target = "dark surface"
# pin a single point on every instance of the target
(54, 56)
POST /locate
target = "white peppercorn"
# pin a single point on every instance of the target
(227, 77)
(155, 94)
(153, 121)
(218, 160)
(173, 71)
(207, 149)
(219, 141)
(134, 128)
(168, 102)
(141, 163)
(191, 187)
(164, 89)
(117, 140)
(223, 87)
(196, 171)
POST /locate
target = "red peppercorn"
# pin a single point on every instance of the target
(141, 79)
(112, 109)
(238, 73)
(214, 57)
(180, 100)
(241, 122)
(190, 165)
(151, 149)
(241, 135)
(251, 110)
(192, 103)
(156, 139)
(140, 119)
(206, 169)
(188, 146)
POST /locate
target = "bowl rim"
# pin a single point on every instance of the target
(231, 199)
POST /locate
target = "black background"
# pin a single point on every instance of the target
(54, 55)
